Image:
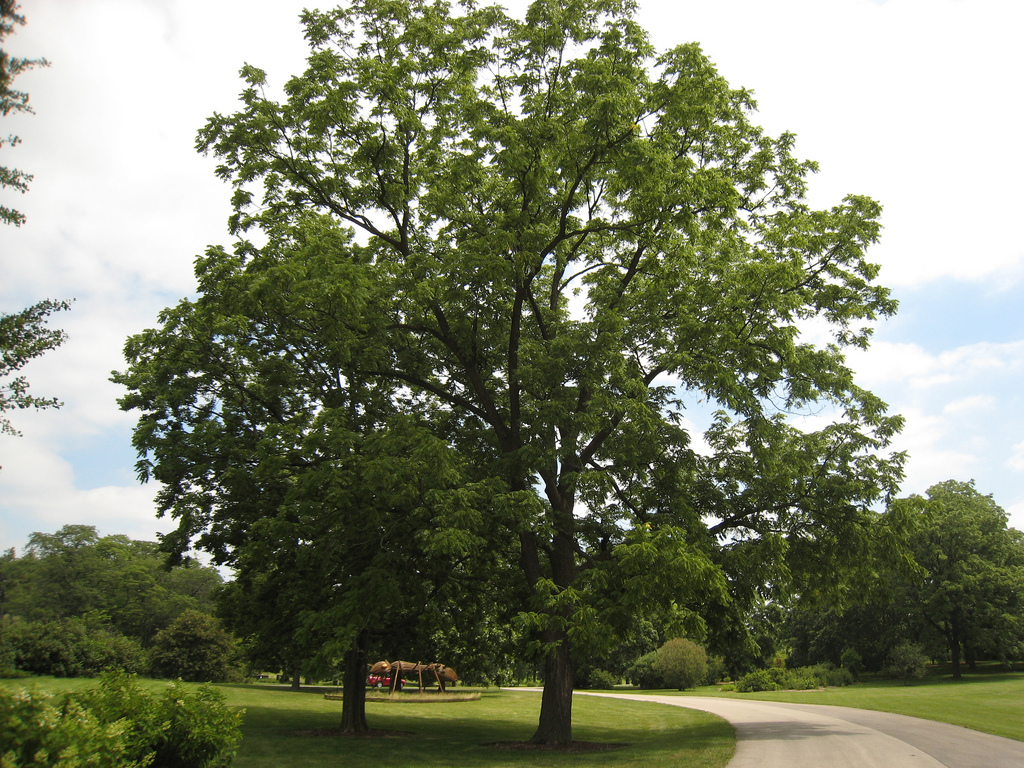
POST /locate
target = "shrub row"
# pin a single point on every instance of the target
(194, 648)
(66, 648)
(595, 679)
(800, 679)
(118, 724)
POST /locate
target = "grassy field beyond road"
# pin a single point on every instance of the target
(991, 702)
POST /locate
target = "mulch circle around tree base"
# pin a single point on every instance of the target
(573, 746)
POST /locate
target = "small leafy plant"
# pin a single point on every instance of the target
(906, 661)
(120, 724)
(41, 729)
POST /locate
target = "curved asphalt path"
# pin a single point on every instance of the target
(775, 735)
(771, 734)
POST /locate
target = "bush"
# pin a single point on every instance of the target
(682, 663)
(598, 679)
(50, 648)
(195, 648)
(717, 670)
(758, 680)
(181, 728)
(906, 661)
(9, 673)
(69, 648)
(643, 673)
(39, 729)
(7, 668)
(118, 724)
(839, 677)
(852, 661)
(800, 679)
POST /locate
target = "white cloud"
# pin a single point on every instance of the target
(888, 362)
(935, 454)
(972, 403)
(886, 98)
(42, 493)
(1016, 460)
(1016, 514)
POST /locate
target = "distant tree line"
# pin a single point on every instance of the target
(75, 604)
(949, 588)
(958, 595)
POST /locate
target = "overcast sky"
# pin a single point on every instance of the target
(916, 103)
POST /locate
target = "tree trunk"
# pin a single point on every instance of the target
(555, 725)
(296, 677)
(353, 705)
(954, 647)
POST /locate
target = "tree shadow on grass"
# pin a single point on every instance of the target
(573, 746)
(373, 733)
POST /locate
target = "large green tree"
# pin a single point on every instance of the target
(971, 593)
(544, 240)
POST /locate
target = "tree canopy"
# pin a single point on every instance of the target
(956, 592)
(77, 603)
(538, 241)
(971, 593)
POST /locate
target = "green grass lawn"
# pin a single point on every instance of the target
(990, 701)
(463, 733)
(285, 728)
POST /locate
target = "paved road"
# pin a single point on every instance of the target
(774, 735)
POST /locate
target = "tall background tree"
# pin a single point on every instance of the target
(956, 590)
(971, 593)
(76, 602)
(543, 241)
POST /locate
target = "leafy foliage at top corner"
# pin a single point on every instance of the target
(22, 334)
(12, 100)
